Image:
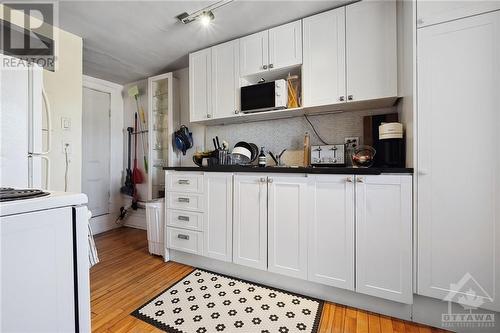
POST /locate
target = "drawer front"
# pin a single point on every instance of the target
(185, 219)
(185, 240)
(185, 201)
(185, 183)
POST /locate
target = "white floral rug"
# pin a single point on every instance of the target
(206, 302)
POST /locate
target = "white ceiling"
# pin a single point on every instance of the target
(124, 41)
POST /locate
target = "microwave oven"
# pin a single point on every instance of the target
(264, 96)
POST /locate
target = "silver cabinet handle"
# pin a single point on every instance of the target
(342, 98)
(350, 97)
(270, 180)
(264, 67)
(271, 65)
(183, 200)
(236, 111)
(360, 179)
(183, 182)
(183, 218)
(349, 179)
(181, 236)
(209, 115)
(263, 180)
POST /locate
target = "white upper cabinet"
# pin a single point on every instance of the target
(433, 12)
(225, 79)
(384, 237)
(371, 50)
(459, 196)
(287, 225)
(331, 230)
(323, 70)
(285, 45)
(200, 85)
(250, 221)
(254, 53)
(218, 218)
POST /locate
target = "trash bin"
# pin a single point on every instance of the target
(155, 218)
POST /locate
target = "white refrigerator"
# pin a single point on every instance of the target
(24, 161)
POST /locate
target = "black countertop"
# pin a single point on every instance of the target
(311, 170)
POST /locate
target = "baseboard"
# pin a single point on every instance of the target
(103, 223)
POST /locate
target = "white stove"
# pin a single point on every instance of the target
(44, 261)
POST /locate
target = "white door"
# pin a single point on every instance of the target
(254, 53)
(459, 195)
(285, 45)
(250, 221)
(37, 272)
(323, 71)
(217, 231)
(96, 150)
(384, 236)
(200, 85)
(225, 79)
(287, 225)
(331, 231)
(371, 50)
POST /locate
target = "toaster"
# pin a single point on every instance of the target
(328, 155)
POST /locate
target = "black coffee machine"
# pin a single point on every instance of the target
(385, 134)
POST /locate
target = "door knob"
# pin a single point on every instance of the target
(209, 116)
(271, 65)
(360, 179)
(270, 180)
(236, 111)
(263, 180)
(349, 179)
(342, 98)
(350, 97)
(264, 67)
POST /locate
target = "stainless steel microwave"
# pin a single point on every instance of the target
(264, 96)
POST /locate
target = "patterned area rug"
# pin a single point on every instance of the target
(207, 302)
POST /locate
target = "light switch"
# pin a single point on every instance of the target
(66, 123)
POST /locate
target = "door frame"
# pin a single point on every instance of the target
(106, 222)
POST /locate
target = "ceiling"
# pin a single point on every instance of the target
(125, 41)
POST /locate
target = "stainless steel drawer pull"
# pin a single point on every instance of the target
(183, 182)
(183, 218)
(181, 236)
(183, 200)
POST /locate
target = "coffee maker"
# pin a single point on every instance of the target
(390, 146)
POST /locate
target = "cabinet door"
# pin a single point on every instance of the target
(285, 45)
(287, 225)
(200, 85)
(459, 195)
(331, 231)
(250, 221)
(218, 221)
(384, 237)
(254, 53)
(371, 50)
(225, 79)
(323, 71)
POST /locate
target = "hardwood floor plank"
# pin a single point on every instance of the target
(128, 276)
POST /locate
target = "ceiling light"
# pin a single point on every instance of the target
(206, 18)
(205, 15)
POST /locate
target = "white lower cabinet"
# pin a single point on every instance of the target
(287, 225)
(218, 221)
(331, 230)
(384, 237)
(250, 221)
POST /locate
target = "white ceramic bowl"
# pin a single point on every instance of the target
(242, 151)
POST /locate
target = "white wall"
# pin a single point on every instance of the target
(107, 222)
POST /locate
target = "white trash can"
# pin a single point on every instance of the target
(155, 218)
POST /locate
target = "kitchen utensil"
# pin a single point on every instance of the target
(363, 156)
(215, 144)
(183, 139)
(328, 155)
(136, 173)
(128, 187)
(134, 92)
(217, 141)
(273, 157)
(307, 150)
(252, 148)
(239, 159)
(243, 151)
(255, 152)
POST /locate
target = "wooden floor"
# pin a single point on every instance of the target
(128, 276)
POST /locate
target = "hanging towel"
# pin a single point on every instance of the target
(93, 257)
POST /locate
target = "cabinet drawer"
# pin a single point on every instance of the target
(184, 219)
(185, 183)
(185, 201)
(184, 240)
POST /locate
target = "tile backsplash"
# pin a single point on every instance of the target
(279, 134)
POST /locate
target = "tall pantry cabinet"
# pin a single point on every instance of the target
(458, 176)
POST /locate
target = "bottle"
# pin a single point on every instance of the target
(262, 157)
(307, 150)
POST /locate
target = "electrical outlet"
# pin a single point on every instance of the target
(351, 142)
